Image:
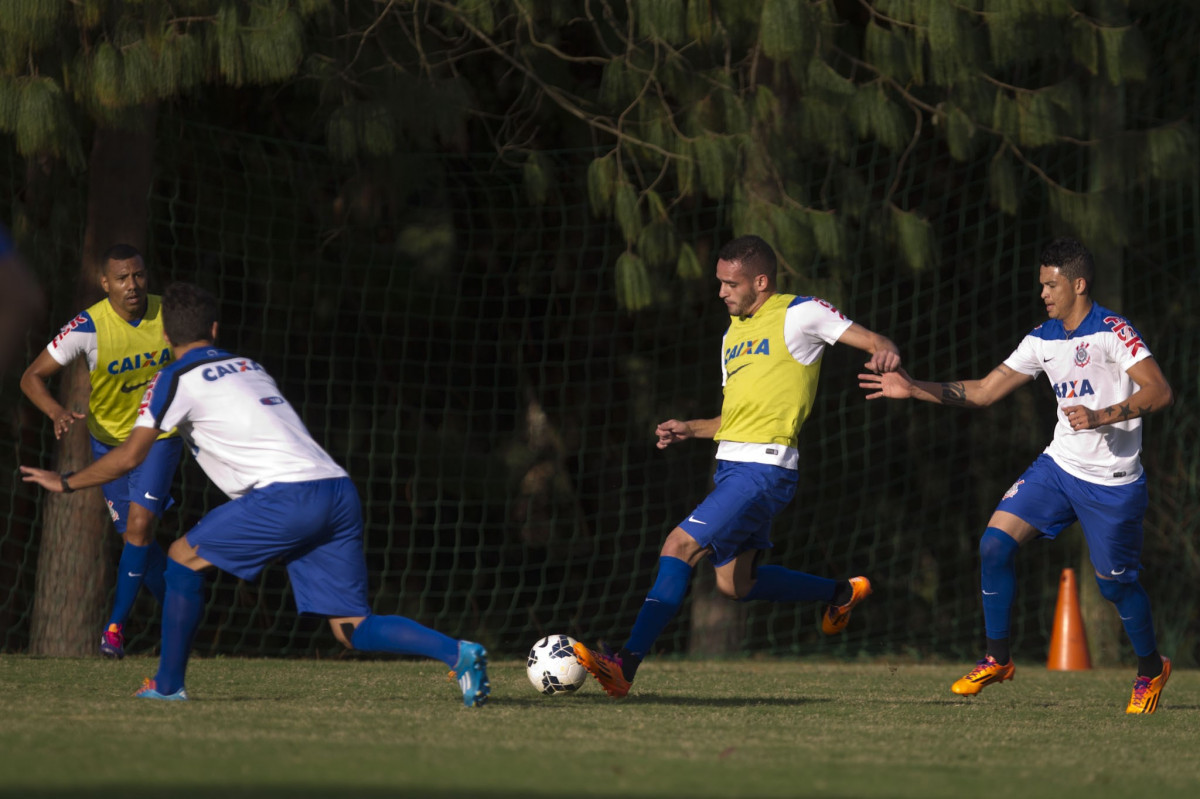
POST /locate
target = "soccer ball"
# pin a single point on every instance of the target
(552, 667)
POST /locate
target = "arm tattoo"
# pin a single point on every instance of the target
(1124, 412)
(954, 393)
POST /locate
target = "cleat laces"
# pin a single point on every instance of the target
(1141, 686)
(980, 667)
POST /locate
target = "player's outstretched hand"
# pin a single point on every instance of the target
(672, 431)
(51, 481)
(883, 361)
(893, 385)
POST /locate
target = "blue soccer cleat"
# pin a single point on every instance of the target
(112, 642)
(471, 673)
(150, 691)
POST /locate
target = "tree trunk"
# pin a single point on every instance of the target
(74, 568)
(718, 624)
(1108, 108)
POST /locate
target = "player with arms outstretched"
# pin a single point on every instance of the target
(1106, 380)
(289, 501)
(121, 338)
(771, 360)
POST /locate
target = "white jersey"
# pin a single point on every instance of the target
(1089, 368)
(241, 430)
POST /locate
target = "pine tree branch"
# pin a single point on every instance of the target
(557, 96)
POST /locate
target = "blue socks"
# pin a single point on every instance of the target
(138, 566)
(403, 636)
(155, 578)
(772, 583)
(182, 609)
(998, 579)
(777, 584)
(660, 606)
(1133, 606)
(131, 569)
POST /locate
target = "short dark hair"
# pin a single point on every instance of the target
(188, 313)
(1071, 258)
(753, 253)
(119, 252)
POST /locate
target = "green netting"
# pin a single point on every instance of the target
(461, 351)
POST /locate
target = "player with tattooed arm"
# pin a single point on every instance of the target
(1106, 380)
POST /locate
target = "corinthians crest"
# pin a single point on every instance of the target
(1081, 355)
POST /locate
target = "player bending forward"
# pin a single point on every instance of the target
(1106, 380)
(289, 501)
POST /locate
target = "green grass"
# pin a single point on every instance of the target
(753, 728)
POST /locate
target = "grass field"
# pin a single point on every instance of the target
(750, 728)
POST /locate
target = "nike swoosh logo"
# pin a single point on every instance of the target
(740, 368)
(990, 593)
(695, 520)
(151, 497)
(128, 387)
(1117, 573)
(1047, 360)
(131, 574)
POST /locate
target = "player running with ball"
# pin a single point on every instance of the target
(288, 500)
(1106, 380)
(771, 359)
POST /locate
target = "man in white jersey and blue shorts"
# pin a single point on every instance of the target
(1106, 380)
(771, 358)
(289, 501)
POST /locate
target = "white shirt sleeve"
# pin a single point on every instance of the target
(1027, 357)
(77, 337)
(1125, 346)
(809, 325)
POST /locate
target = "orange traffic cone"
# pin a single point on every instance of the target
(1068, 643)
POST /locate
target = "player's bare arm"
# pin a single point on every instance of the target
(999, 383)
(118, 461)
(674, 430)
(1154, 394)
(885, 355)
(33, 384)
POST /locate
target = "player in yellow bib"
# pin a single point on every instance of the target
(771, 357)
(121, 338)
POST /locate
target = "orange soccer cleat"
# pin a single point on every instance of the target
(836, 617)
(1146, 690)
(986, 672)
(605, 668)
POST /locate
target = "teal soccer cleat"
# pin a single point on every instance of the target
(471, 673)
(150, 691)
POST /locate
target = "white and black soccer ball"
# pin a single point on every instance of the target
(552, 667)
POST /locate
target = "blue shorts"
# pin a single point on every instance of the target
(737, 515)
(315, 527)
(149, 484)
(1111, 516)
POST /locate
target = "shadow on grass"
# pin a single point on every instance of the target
(574, 701)
(694, 701)
(309, 792)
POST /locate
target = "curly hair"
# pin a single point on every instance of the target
(1071, 258)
